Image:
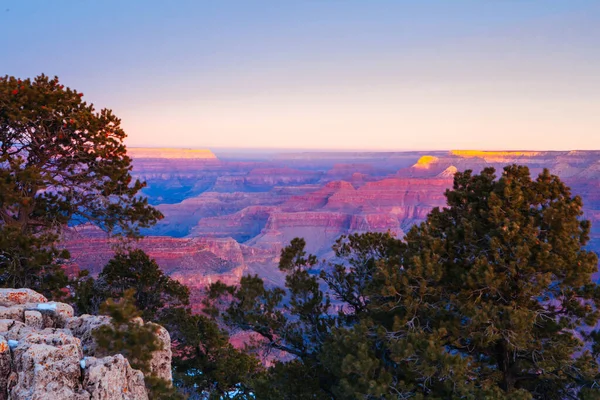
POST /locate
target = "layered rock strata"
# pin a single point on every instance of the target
(230, 216)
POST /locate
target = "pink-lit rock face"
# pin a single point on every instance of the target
(231, 215)
(241, 225)
(393, 195)
(318, 198)
(318, 228)
(376, 223)
(195, 262)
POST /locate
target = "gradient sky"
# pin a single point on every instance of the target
(387, 75)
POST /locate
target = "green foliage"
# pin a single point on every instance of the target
(127, 334)
(154, 292)
(86, 295)
(352, 279)
(256, 308)
(491, 297)
(153, 289)
(31, 261)
(290, 380)
(514, 279)
(160, 389)
(204, 361)
(61, 162)
(135, 340)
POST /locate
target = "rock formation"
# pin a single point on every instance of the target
(195, 262)
(232, 215)
(48, 354)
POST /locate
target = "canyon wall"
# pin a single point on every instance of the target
(228, 215)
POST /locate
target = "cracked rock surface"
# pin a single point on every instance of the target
(48, 354)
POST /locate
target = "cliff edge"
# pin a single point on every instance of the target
(47, 353)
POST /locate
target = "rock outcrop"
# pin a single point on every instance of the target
(48, 354)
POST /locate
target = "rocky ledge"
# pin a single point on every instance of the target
(47, 354)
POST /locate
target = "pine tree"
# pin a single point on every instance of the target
(135, 340)
(513, 281)
(205, 363)
(491, 297)
(61, 162)
(127, 334)
(154, 290)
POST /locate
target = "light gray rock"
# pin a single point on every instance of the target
(160, 365)
(83, 328)
(34, 319)
(47, 354)
(54, 314)
(16, 331)
(15, 312)
(11, 297)
(113, 378)
(46, 371)
(7, 324)
(61, 310)
(5, 368)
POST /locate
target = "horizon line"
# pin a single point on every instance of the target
(342, 150)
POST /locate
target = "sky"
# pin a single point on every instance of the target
(323, 74)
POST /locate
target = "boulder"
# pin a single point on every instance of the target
(10, 297)
(51, 314)
(83, 328)
(8, 324)
(47, 354)
(34, 319)
(112, 378)
(160, 365)
(47, 365)
(15, 312)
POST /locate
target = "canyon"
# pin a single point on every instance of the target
(229, 213)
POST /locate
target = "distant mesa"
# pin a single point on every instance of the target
(448, 172)
(494, 154)
(149, 152)
(426, 162)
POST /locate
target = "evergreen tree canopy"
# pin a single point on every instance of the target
(490, 297)
(205, 363)
(127, 335)
(61, 162)
(503, 280)
(153, 289)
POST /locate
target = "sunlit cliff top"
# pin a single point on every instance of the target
(494, 154)
(426, 161)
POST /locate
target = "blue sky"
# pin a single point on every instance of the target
(323, 74)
